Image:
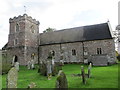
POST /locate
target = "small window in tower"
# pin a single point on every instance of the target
(32, 29)
(73, 52)
(17, 27)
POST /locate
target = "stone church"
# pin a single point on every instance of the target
(92, 43)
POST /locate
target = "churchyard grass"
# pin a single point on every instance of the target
(101, 77)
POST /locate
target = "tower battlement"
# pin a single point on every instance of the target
(24, 17)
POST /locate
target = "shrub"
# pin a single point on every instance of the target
(5, 68)
(118, 57)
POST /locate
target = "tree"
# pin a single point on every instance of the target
(49, 30)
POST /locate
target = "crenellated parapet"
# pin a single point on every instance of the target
(24, 17)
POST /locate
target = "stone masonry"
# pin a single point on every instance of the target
(78, 45)
(23, 39)
(106, 46)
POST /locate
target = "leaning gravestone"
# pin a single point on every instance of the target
(83, 75)
(12, 78)
(17, 66)
(61, 81)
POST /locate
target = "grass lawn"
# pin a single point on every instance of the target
(102, 77)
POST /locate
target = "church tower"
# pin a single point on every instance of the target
(23, 39)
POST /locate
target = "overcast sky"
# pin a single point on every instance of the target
(58, 14)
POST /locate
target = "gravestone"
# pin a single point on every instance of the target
(53, 67)
(39, 67)
(89, 70)
(62, 62)
(83, 75)
(43, 68)
(61, 81)
(13, 61)
(32, 85)
(17, 66)
(49, 70)
(32, 64)
(53, 61)
(29, 65)
(12, 78)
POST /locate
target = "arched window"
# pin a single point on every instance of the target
(32, 29)
(73, 52)
(17, 27)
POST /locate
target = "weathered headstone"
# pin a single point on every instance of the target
(53, 61)
(13, 61)
(40, 66)
(53, 67)
(61, 81)
(32, 85)
(62, 62)
(17, 66)
(32, 64)
(83, 75)
(89, 70)
(29, 65)
(12, 78)
(43, 68)
(49, 70)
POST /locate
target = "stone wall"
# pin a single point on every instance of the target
(29, 52)
(19, 52)
(67, 51)
(107, 47)
(99, 60)
(23, 55)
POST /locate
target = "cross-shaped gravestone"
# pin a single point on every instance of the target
(12, 78)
